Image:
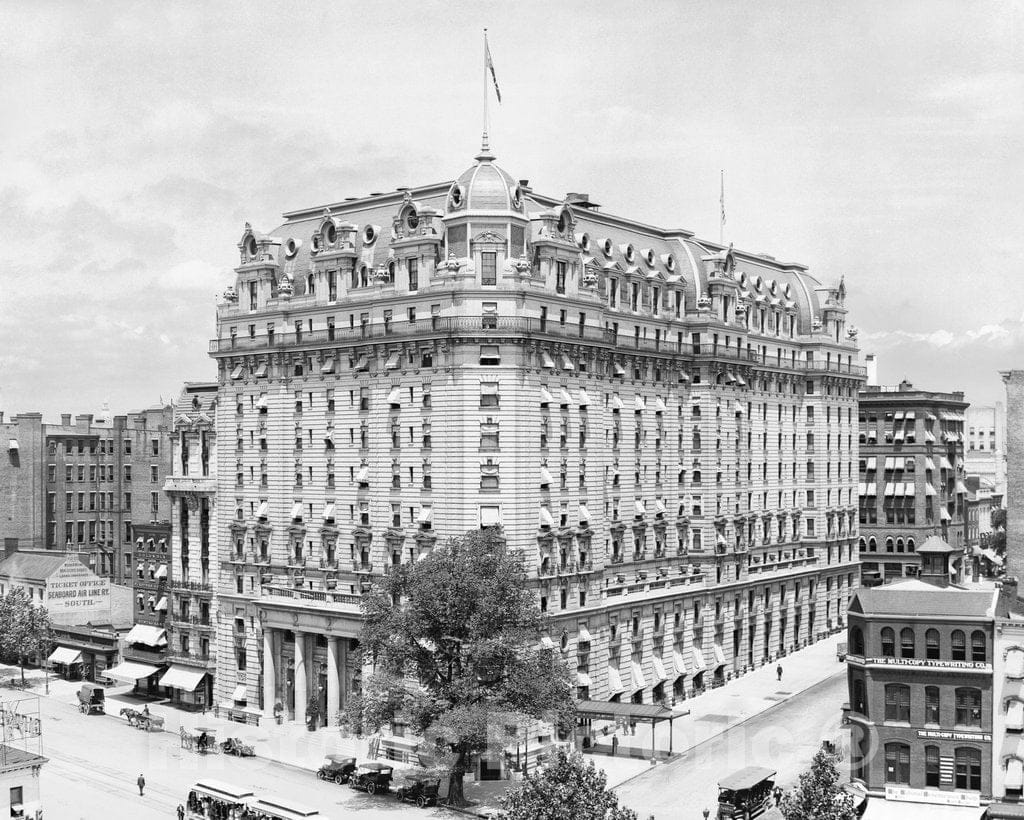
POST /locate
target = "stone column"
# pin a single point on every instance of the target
(333, 693)
(343, 660)
(269, 673)
(300, 677)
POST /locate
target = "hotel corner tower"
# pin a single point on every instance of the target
(665, 429)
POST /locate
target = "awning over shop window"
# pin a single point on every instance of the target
(395, 396)
(148, 635)
(545, 395)
(181, 677)
(130, 672)
(65, 655)
(239, 693)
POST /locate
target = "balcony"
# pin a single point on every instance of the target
(204, 661)
(329, 563)
(329, 598)
(134, 653)
(362, 567)
(191, 586)
(187, 484)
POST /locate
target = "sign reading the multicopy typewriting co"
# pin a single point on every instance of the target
(980, 666)
(76, 595)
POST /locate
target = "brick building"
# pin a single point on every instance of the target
(911, 477)
(985, 445)
(663, 427)
(920, 673)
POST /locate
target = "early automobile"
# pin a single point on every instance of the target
(372, 777)
(337, 768)
(746, 793)
(234, 746)
(91, 699)
(420, 789)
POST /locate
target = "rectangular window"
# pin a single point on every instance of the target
(489, 396)
(560, 268)
(490, 356)
(414, 274)
(488, 268)
(127, 472)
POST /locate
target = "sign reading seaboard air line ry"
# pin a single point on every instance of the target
(76, 595)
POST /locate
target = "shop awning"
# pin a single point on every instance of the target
(584, 398)
(545, 396)
(148, 635)
(239, 693)
(129, 671)
(65, 655)
(181, 677)
(614, 680)
(395, 396)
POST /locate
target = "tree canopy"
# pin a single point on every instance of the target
(819, 796)
(998, 518)
(25, 628)
(455, 643)
(567, 789)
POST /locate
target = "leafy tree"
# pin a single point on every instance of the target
(999, 519)
(998, 542)
(819, 795)
(567, 790)
(454, 640)
(25, 628)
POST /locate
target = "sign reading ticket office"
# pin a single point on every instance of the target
(76, 595)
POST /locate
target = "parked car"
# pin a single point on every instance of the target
(234, 746)
(337, 768)
(372, 777)
(420, 789)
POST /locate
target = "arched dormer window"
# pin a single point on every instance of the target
(888, 643)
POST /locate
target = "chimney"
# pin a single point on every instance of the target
(871, 363)
(1014, 449)
(65, 419)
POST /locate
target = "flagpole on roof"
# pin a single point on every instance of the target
(484, 144)
(721, 202)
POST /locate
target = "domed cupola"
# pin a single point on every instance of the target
(485, 187)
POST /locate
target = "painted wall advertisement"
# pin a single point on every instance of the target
(75, 595)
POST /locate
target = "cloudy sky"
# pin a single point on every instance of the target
(883, 142)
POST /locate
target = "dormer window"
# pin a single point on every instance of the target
(456, 196)
(330, 233)
(250, 247)
(412, 220)
(370, 233)
(563, 222)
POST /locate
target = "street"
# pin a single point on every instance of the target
(783, 738)
(95, 760)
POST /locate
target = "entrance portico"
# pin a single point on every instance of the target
(307, 652)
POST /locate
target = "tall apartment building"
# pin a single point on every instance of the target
(191, 488)
(664, 429)
(911, 477)
(985, 450)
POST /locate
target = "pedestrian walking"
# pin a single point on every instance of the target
(632, 727)
(778, 671)
(615, 744)
(777, 794)
(141, 782)
(181, 812)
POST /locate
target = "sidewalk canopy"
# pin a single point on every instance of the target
(651, 713)
(63, 654)
(181, 677)
(130, 671)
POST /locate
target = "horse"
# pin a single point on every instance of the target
(134, 717)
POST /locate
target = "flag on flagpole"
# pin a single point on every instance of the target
(722, 197)
(490, 66)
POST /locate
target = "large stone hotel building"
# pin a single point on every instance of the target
(664, 428)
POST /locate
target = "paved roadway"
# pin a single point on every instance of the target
(783, 738)
(94, 761)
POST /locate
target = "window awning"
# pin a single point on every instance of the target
(490, 516)
(566, 399)
(328, 511)
(65, 655)
(161, 605)
(545, 395)
(898, 435)
(698, 660)
(148, 635)
(547, 361)
(426, 514)
(393, 361)
(12, 444)
(961, 487)
(363, 475)
(567, 362)
(239, 693)
(638, 404)
(395, 396)
(327, 366)
(639, 681)
(616, 402)
(584, 634)
(362, 363)
(872, 463)
(944, 514)
(488, 388)
(261, 402)
(329, 437)
(899, 415)
(928, 463)
(890, 463)
(614, 681)
(129, 671)
(890, 488)
(930, 416)
(261, 370)
(584, 514)
(296, 511)
(730, 377)
(659, 405)
(740, 380)
(545, 475)
(911, 415)
(659, 505)
(264, 509)
(584, 398)
(638, 507)
(719, 656)
(659, 669)
(929, 490)
(582, 679)
(141, 567)
(944, 464)
(929, 436)
(182, 677)
(683, 376)
(618, 369)
(737, 408)
(545, 518)
(679, 663)
(161, 571)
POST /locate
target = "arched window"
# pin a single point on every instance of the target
(897, 763)
(931, 644)
(889, 544)
(897, 702)
(910, 545)
(888, 643)
(856, 640)
(968, 706)
(958, 642)
(968, 768)
(899, 545)
(862, 545)
(906, 642)
(931, 704)
(860, 704)
(978, 651)
(931, 766)
(872, 544)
